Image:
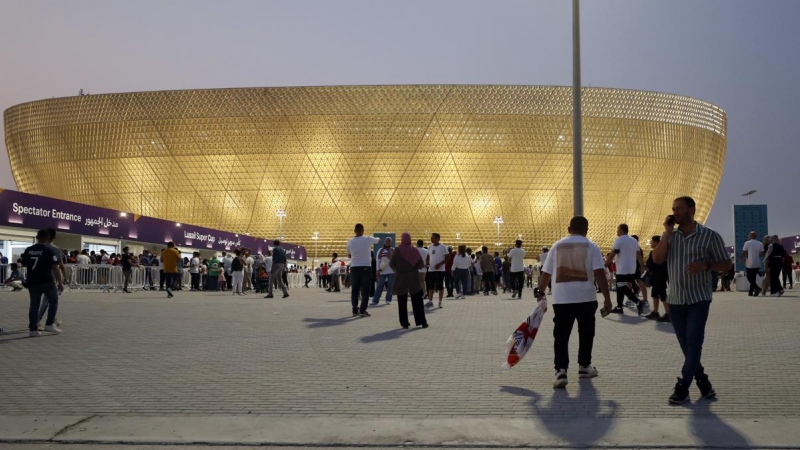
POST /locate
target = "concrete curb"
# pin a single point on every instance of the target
(702, 432)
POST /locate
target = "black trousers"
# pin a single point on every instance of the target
(416, 304)
(448, 282)
(169, 280)
(564, 317)
(360, 282)
(488, 281)
(35, 292)
(623, 290)
(517, 282)
(775, 280)
(161, 279)
(787, 276)
(195, 281)
(752, 276)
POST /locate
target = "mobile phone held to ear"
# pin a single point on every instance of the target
(671, 220)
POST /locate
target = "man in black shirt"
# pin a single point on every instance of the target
(127, 264)
(44, 278)
(658, 280)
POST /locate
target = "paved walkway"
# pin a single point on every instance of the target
(126, 364)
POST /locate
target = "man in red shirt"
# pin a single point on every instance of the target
(325, 276)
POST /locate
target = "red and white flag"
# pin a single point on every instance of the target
(522, 338)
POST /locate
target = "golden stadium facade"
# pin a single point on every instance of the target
(431, 158)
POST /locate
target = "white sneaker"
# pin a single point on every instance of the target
(36, 333)
(589, 371)
(561, 379)
(52, 329)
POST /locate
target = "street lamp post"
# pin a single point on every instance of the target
(281, 213)
(315, 238)
(577, 135)
(497, 221)
(749, 194)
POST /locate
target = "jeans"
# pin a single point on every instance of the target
(387, 278)
(169, 280)
(752, 276)
(689, 322)
(564, 317)
(461, 280)
(237, 279)
(43, 307)
(276, 278)
(416, 304)
(308, 279)
(518, 282)
(360, 281)
(35, 292)
(213, 282)
(127, 277)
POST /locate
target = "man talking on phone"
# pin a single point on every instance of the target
(692, 252)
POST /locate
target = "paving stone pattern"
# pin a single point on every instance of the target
(207, 354)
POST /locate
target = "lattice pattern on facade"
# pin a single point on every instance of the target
(418, 158)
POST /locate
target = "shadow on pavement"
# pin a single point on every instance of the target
(664, 327)
(712, 431)
(386, 335)
(628, 319)
(598, 416)
(322, 323)
(9, 336)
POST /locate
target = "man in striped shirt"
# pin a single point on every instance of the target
(692, 252)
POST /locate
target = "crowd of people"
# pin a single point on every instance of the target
(682, 271)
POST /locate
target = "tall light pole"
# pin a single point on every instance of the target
(315, 238)
(749, 194)
(577, 135)
(497, 221)
(281, 213)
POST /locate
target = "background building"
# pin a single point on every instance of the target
(441, 158)
(747, 218)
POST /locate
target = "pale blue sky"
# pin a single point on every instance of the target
(741, 55)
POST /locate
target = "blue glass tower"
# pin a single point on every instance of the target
(747, 218)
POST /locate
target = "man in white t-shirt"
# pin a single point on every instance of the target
(248, 270)
(572, 263)
(517, 257)
(359, 249)
(385, 273)
(751, 255)
(624, 254)
(423, 273)
(437, 255)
